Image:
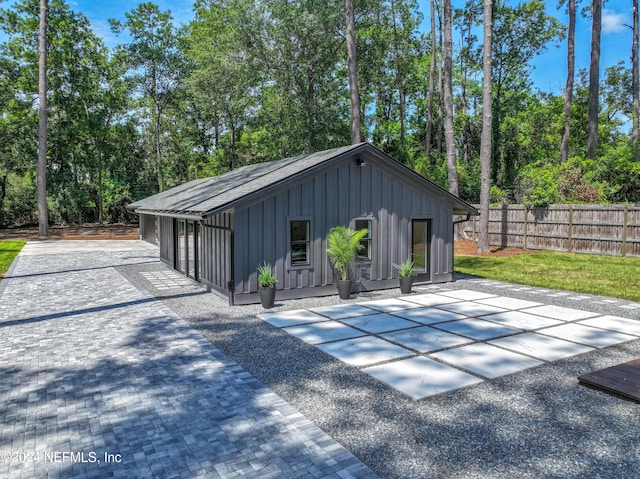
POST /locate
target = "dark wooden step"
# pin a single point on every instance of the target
(622, 380)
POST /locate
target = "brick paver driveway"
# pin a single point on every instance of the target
(99, 379)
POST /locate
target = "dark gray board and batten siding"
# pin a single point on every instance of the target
(338, 195)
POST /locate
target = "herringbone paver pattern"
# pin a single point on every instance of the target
(98, 379)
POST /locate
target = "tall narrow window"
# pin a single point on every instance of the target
(300, 242)
(180, 246)
(420, 245)
(365, 252)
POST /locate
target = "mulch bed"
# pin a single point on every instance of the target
(116, 231)
(469, 248)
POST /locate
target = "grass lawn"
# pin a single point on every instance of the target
(9, 249)
(583, 273)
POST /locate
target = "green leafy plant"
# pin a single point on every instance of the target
(344, 244)
(266, 278)
(405, 269)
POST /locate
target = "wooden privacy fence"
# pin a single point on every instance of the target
(597, 229)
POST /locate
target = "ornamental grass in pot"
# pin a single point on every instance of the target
(267, 285)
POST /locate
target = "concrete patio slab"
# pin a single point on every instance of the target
(558, 312)
(541, 347)
(425, 339)
(379, 323)
(343, 311)
(594, 337)
(390, 305)
(429, 315)
(521, 320)
(508, 303)
(430, 299)
(477, 329)
(421, 377)
(614, 323)
(467, 294)
(317, 333)
(487, 360)
(364, 351)
(283, 319)
(470, 308)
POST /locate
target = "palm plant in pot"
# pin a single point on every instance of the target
(405, 274)
(344, 244)
(267, 285)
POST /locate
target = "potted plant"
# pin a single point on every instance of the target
(405, 273)
(267, 285)
(344, 243)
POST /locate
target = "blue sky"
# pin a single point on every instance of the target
(550, 69)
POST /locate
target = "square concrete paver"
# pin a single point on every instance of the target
(487, 360)
(364, 351)
(541, 347)
(343, 311)
(430, 299)
(615, 323)
(421, 377)
(470, 308)
(467, 294)
(558, 312)
(477, 329)
(425, 339)
(379, 323)
(390, 305)
(282, 319)
(579, 333)
(508, 303)
(316, 333)
(520, 320)
(429, 315)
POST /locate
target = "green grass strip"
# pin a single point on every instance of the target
(612, 276)
(9, 249)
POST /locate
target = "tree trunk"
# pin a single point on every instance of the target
(568, 92)
(449, 134)
(432, 74)
(485, 139)
(635, 84)
(440, 94)
(352, 65)
(43, 212)
(594, 80)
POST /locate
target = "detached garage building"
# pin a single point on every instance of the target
(218, 230)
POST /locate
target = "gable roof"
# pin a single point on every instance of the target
(208, 196)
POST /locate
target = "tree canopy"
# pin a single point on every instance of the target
(250, 81)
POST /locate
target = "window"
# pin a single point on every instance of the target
(300, 242)
(365, 252)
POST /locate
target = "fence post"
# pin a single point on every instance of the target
(625, 223)
(526, 223)
(570, 233)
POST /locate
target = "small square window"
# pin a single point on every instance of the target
(300, 242)
(365, 251)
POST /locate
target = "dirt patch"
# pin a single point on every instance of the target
(116, 231)
(469, 248)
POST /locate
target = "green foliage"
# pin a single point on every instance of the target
(266, 278)
(405, 269)
(344, 243)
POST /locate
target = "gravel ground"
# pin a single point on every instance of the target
(539, 423)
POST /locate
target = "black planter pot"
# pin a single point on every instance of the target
(268, 297)
(405, 284)
(344, 288)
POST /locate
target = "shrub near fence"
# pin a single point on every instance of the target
(597, 229)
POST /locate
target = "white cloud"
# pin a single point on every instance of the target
(613, 22)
